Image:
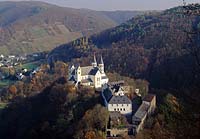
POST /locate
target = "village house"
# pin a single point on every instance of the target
(93, 76)
(11, 60)
(20, 76)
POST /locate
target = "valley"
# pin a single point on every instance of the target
(99, 75)
(28, 27)
(38, 39)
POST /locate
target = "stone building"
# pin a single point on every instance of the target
(146, 109)
(116, 101)
(93, 75)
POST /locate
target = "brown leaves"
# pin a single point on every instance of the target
(13, 89)
(93, 123)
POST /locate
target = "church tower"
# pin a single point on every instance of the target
(70, 70)
(101, 65)
(78, 74)
(94, 64)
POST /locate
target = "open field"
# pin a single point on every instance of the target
(30, 65)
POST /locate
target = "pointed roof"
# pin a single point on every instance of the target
(101, 62)
(95, 61)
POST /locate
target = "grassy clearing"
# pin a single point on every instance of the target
(29, 66)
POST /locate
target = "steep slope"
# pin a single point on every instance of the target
(28, 27)
(122, 16)
(153, 46)
(34, 26)
(156, 47)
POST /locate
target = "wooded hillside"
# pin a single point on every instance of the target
(28, 27)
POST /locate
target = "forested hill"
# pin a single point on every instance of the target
(122, 16)
(154, 46)
(28, 27)
(150, 30)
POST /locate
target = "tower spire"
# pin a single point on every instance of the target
(94, 64)
(95, 60)
(101, 65)
(101, 60)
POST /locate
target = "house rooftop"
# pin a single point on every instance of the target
(72, 79)
(120, 100)
(115, 88)
(93, 71)
(141, 112)
(107, 94)
(86, 70)
(117, 83)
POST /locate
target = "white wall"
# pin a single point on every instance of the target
(122, 108)
(141, 125)
(104, 81)
(97, 79)
(78, 74)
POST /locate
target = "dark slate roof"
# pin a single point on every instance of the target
(73, 72)
(107, 94)
(141, 112)
(120, 100)
(72, 79)
(115, 88)
(94, 71)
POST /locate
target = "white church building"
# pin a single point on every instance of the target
(93, 75)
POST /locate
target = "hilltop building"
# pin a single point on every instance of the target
(119, 106)
(115, 99)
(93, 75)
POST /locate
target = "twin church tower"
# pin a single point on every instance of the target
(93, 75)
